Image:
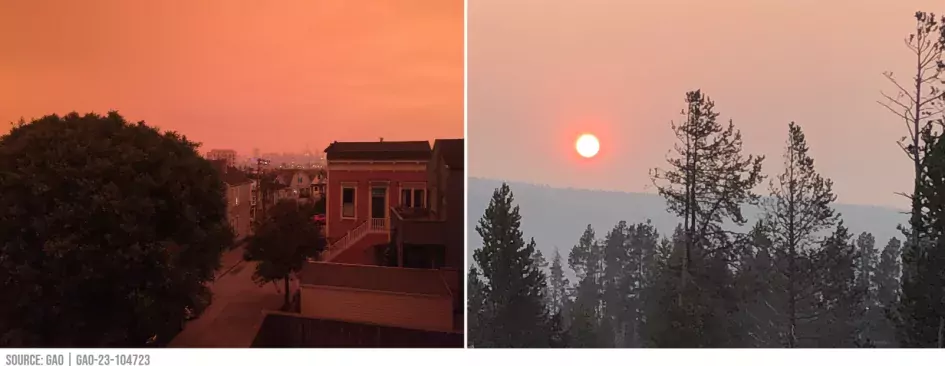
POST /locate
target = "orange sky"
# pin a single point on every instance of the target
(275, 75)
(543, 71)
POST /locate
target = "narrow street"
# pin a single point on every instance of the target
(237, 309)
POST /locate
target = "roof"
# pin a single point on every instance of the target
(376, 278)
(379, 150)
(295, 330)
(452, 152)
(231, 176)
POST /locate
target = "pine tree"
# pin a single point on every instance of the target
(559, 285)
(514, 286)
(615, 284)
(798, 208)
(707, 184)
(866, 263)
(839, 297)
(640, 268)
(760, 282)
(921, 312)
(585, 260)
(476, 307)
(886, 281)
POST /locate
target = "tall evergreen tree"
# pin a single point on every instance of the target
(886, 281)
(513, 285)
(798, 208)
(921, 312)
(585, 260)
(475, 308)
(559, 286)
(761, 283)
(838, 295)
(867, 259)
(708, 182)
(920, 109)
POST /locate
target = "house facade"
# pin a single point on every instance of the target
(365, 180)
(239, 198)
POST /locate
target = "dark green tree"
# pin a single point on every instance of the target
(839, 297)
(283, 241)
(475, 306)
(867, 260)
(921, 313)
(761, 284)
(796, 211)
(886, 282)
(586, 261)
(708, 182)
(559, 285)
(109, 230)
(513, 285)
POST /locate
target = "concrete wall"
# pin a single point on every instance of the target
(380, 308)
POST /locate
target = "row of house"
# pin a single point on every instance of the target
(391, 275)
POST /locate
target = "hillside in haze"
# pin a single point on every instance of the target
(556, 217)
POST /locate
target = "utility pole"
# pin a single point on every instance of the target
(260, 197)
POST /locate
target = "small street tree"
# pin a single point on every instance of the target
(283, 241)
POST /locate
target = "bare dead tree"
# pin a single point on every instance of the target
(919, 103)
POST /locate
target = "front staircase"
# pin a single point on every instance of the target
(369, 226)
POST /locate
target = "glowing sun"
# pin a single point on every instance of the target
(587, 145)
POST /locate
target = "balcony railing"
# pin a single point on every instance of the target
(380, 225)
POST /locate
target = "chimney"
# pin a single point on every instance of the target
(382, 139)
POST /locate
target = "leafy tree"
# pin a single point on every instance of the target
(110, 229)
(798, 208)
(513, 285)
(283, 241)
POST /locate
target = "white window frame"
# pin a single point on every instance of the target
(354, 203)
(412, 188)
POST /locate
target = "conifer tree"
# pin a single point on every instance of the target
(513, 285)
(708, 182)
(797, 209)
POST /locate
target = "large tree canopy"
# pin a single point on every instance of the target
(108, 230)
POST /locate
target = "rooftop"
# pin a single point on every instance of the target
(379, 150)
(295, 330)
(375, 278)
(230, 175)
(452, 151)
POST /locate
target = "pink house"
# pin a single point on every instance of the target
(364, 181)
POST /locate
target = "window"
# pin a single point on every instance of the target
(412, 197)
(300, 179)
(347, 202)
(237, 195)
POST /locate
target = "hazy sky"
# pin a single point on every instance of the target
(543, 71)
(277, 75)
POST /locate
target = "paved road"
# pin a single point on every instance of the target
(236, 312)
